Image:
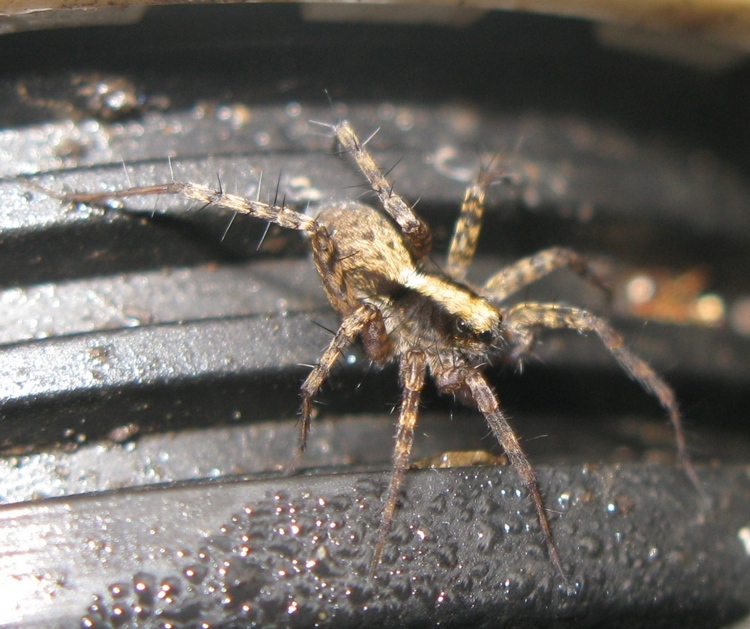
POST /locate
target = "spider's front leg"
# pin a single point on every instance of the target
(524, 321)
(461, 378)
(412, 369)
(532, 268)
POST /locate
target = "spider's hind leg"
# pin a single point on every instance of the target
(366, 321)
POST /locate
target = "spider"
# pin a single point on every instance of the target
(371, 265)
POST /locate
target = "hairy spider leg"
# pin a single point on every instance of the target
(412, 370)
(463, 244)
(525, 320)
(415, 230)
(363, 320)
(467, 381)
(367, 322)
(520, 274)
(281, 215)
(488, 404)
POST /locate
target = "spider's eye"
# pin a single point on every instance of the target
(485, 337)
(462, 327)
(465, 330)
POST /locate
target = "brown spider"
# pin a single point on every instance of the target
(370, 267)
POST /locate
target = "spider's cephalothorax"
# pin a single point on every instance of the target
(369, 263)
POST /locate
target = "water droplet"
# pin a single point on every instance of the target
(517, 585)
(123, 433)
(640, 289)
(404, 118)
(119, 590)
(120, 615)
(710, 309)
(386, 111)
(590, 545)
(293, 109)
(144, 587)
(571, 588)
(458, 166)
(563, 501)
(486, 539)
(447, 556)
(170, 588)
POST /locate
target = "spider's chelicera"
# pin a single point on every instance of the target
(370, 265)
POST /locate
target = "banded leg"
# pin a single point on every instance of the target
(359, 322)
(466, 234)
(525, 320)
(412, 368)
(530, 269)
(414, 228)
(280, 215)
(488, 405)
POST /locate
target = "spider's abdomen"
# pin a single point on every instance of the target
(370, 249)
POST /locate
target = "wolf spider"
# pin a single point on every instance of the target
(371, 269)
